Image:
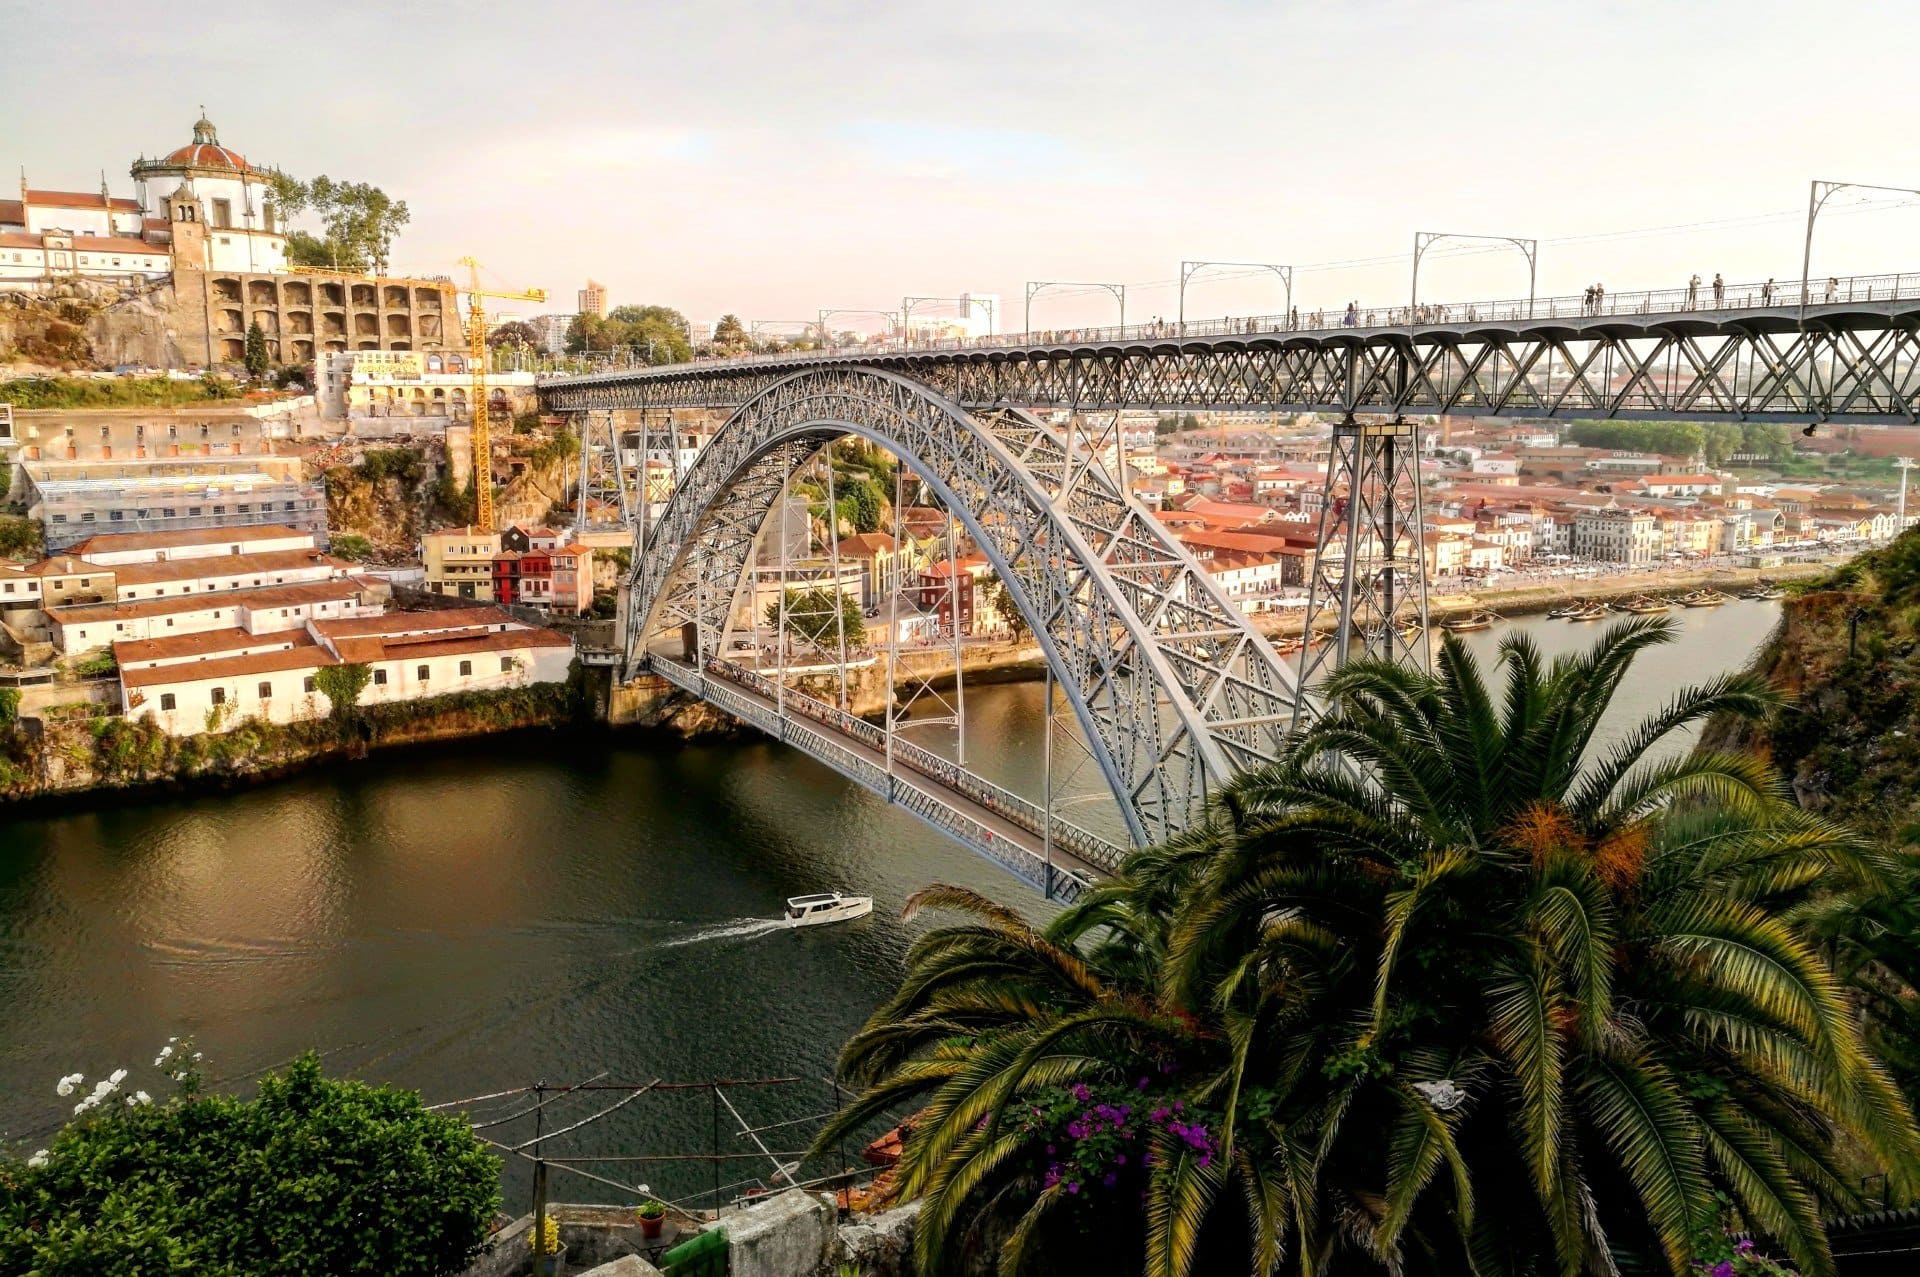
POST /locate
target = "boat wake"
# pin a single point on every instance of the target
(738, 929)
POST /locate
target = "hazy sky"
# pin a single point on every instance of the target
(772, 159)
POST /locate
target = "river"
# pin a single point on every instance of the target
(465, 919)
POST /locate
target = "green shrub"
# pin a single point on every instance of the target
(9, 707)
(313, 1176)
(21, 537)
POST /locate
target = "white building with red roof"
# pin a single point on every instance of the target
(200, 206)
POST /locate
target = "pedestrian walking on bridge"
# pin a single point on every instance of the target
(1693, 292)
(1719, 291)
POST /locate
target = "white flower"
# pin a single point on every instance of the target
(67, 1084)
(140, 1097)
(38, 1159)
(171, 1041)
(1443, 1095)
(83, 1106)
(118, 1076)
(166, 1053)
(196, 1055)
(104, 1087)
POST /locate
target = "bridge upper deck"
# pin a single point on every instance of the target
(1753, 351)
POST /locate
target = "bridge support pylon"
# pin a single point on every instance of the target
(1370, 565)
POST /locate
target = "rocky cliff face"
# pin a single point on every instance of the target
(1847, 653)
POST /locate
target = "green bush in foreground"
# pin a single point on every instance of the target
(313, 1176)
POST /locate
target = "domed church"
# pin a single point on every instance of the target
(216, 207)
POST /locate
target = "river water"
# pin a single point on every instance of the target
(466, 919)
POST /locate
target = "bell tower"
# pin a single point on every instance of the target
(187, 222)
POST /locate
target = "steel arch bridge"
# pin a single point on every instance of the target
(1173, 689)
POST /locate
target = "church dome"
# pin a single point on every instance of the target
(205, 151)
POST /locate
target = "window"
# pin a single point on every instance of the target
(203, 430)
(166, 700)
(173, 432)
(118, 516)
(103, 432)
(466, 668)
(308, 683)
(379, 678)
(167, 512)
(193, 512)
(219, 696)
(223, 215)
(86, 516)
(266, 691)
(236, 430)
(59, 518)
(421, 673)
(506, 665)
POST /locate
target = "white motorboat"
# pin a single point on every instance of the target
(825, 907)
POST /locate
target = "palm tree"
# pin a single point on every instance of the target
(1455, 987)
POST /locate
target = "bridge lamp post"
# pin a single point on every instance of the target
(891, 316)
(907, 305)
(1423, 240)
(1818, 193)
(1189, 269)
(1036, 287)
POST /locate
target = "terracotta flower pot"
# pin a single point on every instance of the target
(650, 1228)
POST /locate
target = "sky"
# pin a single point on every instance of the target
(771, 160)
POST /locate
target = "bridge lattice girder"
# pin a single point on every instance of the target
(1853, 363)
(1174, 689)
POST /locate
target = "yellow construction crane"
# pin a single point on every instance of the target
(477, 365)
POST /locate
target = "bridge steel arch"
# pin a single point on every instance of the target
(1174, 689)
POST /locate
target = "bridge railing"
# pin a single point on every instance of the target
(1773, 294)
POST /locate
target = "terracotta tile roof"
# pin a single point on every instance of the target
(223, 565)
(447, 643)
(298, 595)
(80, 199)
(115, 244)
(865, 545)
(449, 618)
(300, 658)
(120, 541)
(12, 213)
(69, 565)
(205, 643)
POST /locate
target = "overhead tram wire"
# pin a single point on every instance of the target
(1865, 205)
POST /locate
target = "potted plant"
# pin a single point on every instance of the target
(549, 1252)
(652, 1215)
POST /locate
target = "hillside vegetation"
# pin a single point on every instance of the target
(1848, 654)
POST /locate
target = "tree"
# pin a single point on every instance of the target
(21, 537)
(9, 708)
(658, 332)
(256, 357)
(1004, 607)
(350, 546)
(361, 221)
(811, 615)
(341, 685)
(1451, 988)
(314, 1175)
(514, 332)
(729, 335)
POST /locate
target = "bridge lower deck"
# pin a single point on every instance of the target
(994, 822)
